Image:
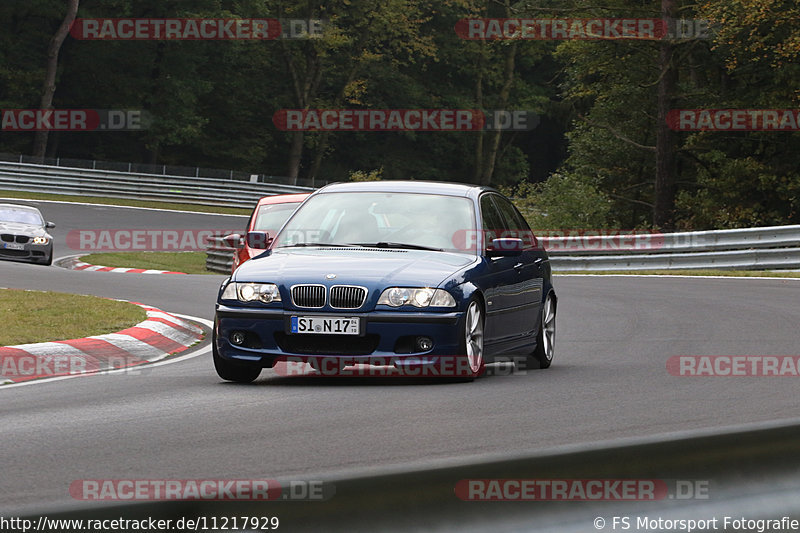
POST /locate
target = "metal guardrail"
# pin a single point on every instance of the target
(219, 257)
(748, 472)
(112, 184)
(569, 242)
(781, 258)
(774, 247)
(160, 170)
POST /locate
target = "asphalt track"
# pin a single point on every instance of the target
(179, 421)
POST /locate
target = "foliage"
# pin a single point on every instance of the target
(212, 102)
(753, 31)
(562, 202)
(362, 175)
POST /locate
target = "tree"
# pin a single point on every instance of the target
(356, 37)
(621, 92)
(49, 86)
(664, 194)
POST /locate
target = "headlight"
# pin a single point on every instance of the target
(40, 240)
(418, 297)
(251, 292)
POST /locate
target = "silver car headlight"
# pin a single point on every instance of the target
(40, 240)
(418, 297)
(252, 292)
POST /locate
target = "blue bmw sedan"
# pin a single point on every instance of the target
(424, 278)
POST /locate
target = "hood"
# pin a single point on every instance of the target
(371, 267)
(22, 229)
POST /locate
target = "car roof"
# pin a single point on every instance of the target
(283, 199)
(429, 187)
(18, 206)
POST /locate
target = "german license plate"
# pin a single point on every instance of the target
(328, 325)
(14, 246)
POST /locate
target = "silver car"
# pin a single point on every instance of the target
(23, 235)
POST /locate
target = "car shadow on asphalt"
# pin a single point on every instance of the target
(493, 371)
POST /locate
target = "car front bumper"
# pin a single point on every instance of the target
(38, 253)
(387, 338)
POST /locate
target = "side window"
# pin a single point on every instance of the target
(251, 220)
(515, 222)
(493, 224)
(492, 219)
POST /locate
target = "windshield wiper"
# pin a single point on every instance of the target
(398, 245)
(312, 244)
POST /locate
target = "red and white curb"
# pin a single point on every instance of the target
(80, 265)
(74, 263)
(161, 335)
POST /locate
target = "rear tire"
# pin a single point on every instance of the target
(231, 371)
(546, 338)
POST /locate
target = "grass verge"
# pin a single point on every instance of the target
(126, 202)
(706, 272)
(187, 262)
(38, 316)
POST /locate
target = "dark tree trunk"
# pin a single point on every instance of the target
(295, 155)
(481, 134)
(304, 85)
(152, 102)
(49, 86)
(664, 201)
(322, 146)
(493, 148)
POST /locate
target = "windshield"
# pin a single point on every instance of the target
(21, 216)
(272, 216)
(398, 219)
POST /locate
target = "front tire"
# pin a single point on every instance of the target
(546, 338)
(231, 371)
(472, 340)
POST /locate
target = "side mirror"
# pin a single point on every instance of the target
(49, 225)
(504, 247)
(259, 240)
(234, 240)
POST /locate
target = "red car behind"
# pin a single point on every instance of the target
(268, 216)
